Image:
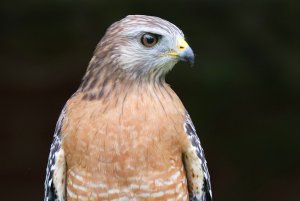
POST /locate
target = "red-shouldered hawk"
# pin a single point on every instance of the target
(124, 134)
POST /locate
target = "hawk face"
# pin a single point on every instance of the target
(144, 46)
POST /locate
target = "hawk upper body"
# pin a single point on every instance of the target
(125, 135)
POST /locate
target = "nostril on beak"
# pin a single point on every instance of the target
(181, 47)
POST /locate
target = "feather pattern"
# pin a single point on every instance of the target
(205, 193)
(124, 136)
(50, 189)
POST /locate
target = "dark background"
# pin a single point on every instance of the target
(243, 93)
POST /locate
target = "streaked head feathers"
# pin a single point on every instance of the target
(123, 55)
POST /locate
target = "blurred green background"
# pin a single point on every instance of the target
(243, 92)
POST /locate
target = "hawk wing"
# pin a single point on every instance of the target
(55, 173)
(195, 165)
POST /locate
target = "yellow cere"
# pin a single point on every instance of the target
(182, 44)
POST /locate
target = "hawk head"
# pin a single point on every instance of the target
(137, 47)
(142, 45)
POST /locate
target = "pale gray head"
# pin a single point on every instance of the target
(143, 46)
(136, 48)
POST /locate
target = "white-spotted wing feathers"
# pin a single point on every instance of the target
(195, 165)
(54, 169)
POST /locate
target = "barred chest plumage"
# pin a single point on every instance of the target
(134, 153)
(125, 135)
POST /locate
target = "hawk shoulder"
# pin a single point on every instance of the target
(195, 165)
(55, 172)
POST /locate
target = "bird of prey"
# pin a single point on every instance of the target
(124, 134)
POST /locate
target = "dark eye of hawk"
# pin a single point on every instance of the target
(149, 39)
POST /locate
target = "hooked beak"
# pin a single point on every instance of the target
(184, 51)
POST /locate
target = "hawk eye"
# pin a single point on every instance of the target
(149, 40)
